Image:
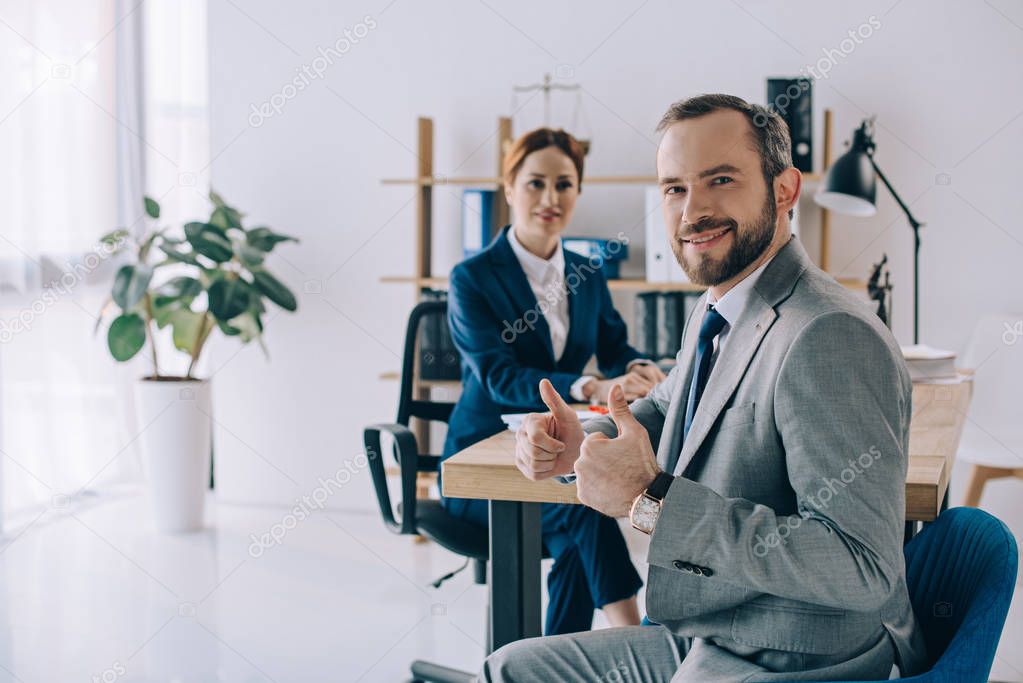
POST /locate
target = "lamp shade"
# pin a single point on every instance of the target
(850, 185)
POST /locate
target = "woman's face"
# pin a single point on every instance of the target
(543, 194)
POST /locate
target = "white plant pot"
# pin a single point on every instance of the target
(174, 417)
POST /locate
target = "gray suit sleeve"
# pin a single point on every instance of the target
(842, 407)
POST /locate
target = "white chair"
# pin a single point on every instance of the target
(993, 436)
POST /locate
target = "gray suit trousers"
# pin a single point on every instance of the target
(653, 654)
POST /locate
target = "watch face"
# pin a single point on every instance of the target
(645, 513)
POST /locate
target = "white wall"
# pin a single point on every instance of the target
(943, 79)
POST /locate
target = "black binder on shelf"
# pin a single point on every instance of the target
(645, 322)
(671, 308)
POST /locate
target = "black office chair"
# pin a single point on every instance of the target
(418, 516)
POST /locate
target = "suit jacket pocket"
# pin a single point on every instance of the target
(795, 627)
(737, 416)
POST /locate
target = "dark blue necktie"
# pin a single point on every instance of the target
(712, 325)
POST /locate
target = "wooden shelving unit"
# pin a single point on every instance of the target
(426, 180)
(428, 383)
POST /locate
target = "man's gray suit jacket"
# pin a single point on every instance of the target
(784, 526)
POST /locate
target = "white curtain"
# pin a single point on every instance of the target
(84, 131)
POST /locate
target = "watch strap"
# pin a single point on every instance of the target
(658, 488)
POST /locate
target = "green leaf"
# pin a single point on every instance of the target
(181, 290)
(112, 239)
(195, 227)
(216, 199)
(126, 336)
(178, 256)
(185, 328)
(130, 284)
(274, 290)
(225, 218)
(265, 239)
(209, 241)
(228, 298)
(248, 325)
(227, 329)
(147, 244)
(249, 256)
(152, 208)
(162, 314)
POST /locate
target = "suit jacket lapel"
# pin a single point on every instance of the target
(511, 276)
(739, 348)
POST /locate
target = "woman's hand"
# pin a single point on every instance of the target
(633, 384)
(648, 371)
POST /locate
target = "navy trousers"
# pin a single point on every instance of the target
(591, 561)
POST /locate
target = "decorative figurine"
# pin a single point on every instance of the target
(881, 293)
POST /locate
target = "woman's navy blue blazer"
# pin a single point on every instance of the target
(500, 330)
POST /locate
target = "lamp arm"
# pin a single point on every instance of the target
(909, 214)
(915, 224)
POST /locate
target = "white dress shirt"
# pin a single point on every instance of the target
(731, 305)
(547, 280)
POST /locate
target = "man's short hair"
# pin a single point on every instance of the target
(770, 133)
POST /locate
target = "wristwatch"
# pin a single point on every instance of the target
(647, 506)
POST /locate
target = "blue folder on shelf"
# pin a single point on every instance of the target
(602, 253)
(477, 220)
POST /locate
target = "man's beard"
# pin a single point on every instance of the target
(747, 246)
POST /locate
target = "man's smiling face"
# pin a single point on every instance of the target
(719, 210)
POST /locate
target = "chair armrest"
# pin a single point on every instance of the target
(408, 459)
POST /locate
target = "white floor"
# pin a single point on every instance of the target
(94, 595)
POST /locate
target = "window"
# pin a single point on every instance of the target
(104, 99)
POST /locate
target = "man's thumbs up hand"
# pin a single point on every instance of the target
(547, 444)
(611, 473)
(618, 408)
(552, 399)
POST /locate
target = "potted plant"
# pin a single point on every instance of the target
(215, 280)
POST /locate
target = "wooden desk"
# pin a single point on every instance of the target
(486, 470)
(939, 415)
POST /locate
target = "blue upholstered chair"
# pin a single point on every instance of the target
(961, 572)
